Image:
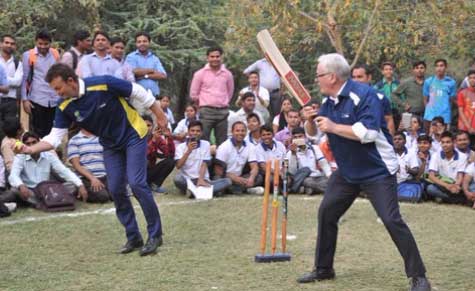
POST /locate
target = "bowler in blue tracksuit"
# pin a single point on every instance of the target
(352, 117)
(100, 105)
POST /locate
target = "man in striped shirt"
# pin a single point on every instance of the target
(85, 154)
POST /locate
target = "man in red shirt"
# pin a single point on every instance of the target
(466, 106)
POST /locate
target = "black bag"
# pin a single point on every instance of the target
(53, 196)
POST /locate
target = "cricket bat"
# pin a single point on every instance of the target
(287, 75)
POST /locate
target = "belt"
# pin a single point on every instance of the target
(213, 107)
(7, 99)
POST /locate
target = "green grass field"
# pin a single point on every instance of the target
(211, 246)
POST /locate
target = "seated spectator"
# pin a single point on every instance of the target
(269, 150)
(413, 132)
(280, 120)
(446, 172)
(307, 165)
(160, 156)
(462, 144)
(469, 184)
(192, 158)
(437, 127)
(423, 154)
(407, 159)
(181, 130)
(13, 131)
(149, 122)
(293, 121)
(254, 128)
(30, 170)
(165, 104)
(261, 93)
(248, 106)
(85, 154)
(308, 114)
(232, 156)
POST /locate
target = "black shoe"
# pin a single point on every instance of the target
(420, 284)
(151, 246)
(318, 275)
(131, 245)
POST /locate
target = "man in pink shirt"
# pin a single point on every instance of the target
(211, 89)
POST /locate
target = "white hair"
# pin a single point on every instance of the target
(336, 63)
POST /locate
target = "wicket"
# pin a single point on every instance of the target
(262, 257)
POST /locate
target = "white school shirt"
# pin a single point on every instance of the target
(191, 168)
(411, 142)
(470, 170)
(309, 158)
(264, 153)
(234, 158)
(435, 146)
(240, 115)
(264, 94)
(448, 168)
(408, 158)
(419, 161)
(248, 139)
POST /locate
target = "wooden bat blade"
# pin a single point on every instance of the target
(289, 78)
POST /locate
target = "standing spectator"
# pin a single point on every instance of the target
(39, 100)
(117, 52)
(233, 155)
(438, 91)
(160, 156)
(388, 84)
(254, 128)
(211, 89)
(261, 93)
(3, 81)
(270, 80)
(100, 62)
(85, 153)
(146, 65)
(466, 106)
(14, 74)
(28, 170)
(280, 120)
(181, 130)
(248, 106)
(192, 158)
(293, 121)
(408, 95)
(13, 131)
(446, 170)
(361, 73)
(82, 45)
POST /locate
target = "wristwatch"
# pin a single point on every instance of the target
(146, 76)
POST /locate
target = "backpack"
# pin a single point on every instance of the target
(410, 191)
(75, 59)
(53, 196)
(32, 61)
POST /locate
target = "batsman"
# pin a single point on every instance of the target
(352, 117)
(99, 105)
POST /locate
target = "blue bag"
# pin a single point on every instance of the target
(410, 191)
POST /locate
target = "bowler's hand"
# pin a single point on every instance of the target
(325, 124)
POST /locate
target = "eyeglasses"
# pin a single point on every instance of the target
(322, 74)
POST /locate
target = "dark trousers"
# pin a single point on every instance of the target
(382, 194)
(129, 165)
(275, 103)
(216, 118)
(8, 111)
(42, 119)
(158, 173)
(101, 196)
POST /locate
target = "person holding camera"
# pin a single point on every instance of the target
(192, 158)
(307, 165)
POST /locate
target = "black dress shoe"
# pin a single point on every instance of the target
(420, 284)
(318, 275)
(131, 245)
(151, 245)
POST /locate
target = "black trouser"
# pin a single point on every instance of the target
(158, 173)
(382, 194)
(275, 103)
(8, 111)
(101, 196)
(42, 119)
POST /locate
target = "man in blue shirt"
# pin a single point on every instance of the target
(98, 105)
(146, 66)
(3, 81)
(438, 91)
(353, 120)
